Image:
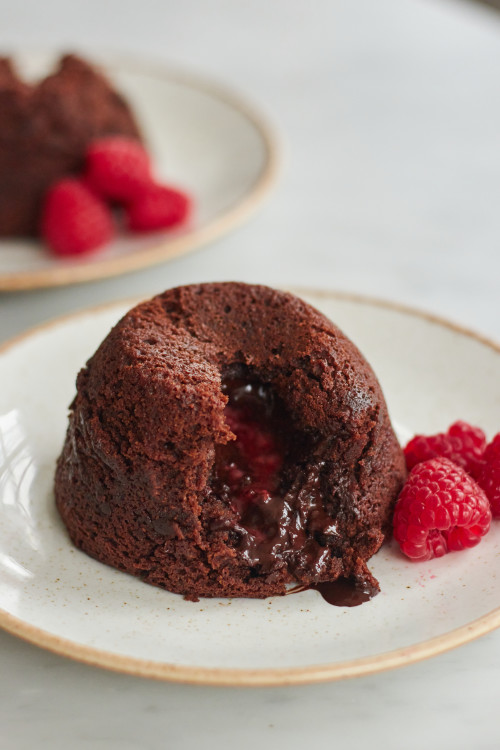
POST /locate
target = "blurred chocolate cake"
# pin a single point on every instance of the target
(44, 131)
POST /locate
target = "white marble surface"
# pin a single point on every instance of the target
(389, 116)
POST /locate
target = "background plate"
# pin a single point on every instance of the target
(201, 137)
(53, 595)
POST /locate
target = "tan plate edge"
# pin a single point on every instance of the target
(167, 248)
(249, 677)
(261, 677)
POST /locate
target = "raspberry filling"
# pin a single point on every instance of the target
(263, 477)
(249, 468)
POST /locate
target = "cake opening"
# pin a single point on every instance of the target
(271, 481)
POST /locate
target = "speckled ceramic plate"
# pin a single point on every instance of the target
(55, 596)
(201, 137)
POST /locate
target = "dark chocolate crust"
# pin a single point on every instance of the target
(133, 483)
(44, 131)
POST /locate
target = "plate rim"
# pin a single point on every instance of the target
(167, 247)
(267, 677)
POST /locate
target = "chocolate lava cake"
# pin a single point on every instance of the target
(228, 440)
(44, 132)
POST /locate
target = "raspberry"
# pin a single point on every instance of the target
(463, 444)
(158, 207)
(74, 221)
(440, 509)
(117, 168)
(488, 476)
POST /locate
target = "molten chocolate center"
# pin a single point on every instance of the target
(267, 478)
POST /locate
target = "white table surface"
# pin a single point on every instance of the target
(389, 113)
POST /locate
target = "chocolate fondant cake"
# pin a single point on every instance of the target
(44, 131)
(228, 440)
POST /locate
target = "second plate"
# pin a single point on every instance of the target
(202, 138)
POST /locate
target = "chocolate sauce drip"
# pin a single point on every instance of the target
(344, 592)
(280, 520)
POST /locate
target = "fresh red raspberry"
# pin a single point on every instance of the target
(117, 168)
(463, 444)
(74, 221)
(440, 509)
(158, 207)
(488, 476)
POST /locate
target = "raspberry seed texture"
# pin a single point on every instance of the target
(463, 444)
(488, 475)
(440, 509)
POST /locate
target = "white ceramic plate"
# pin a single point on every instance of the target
(201, 137)
(57, 597)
